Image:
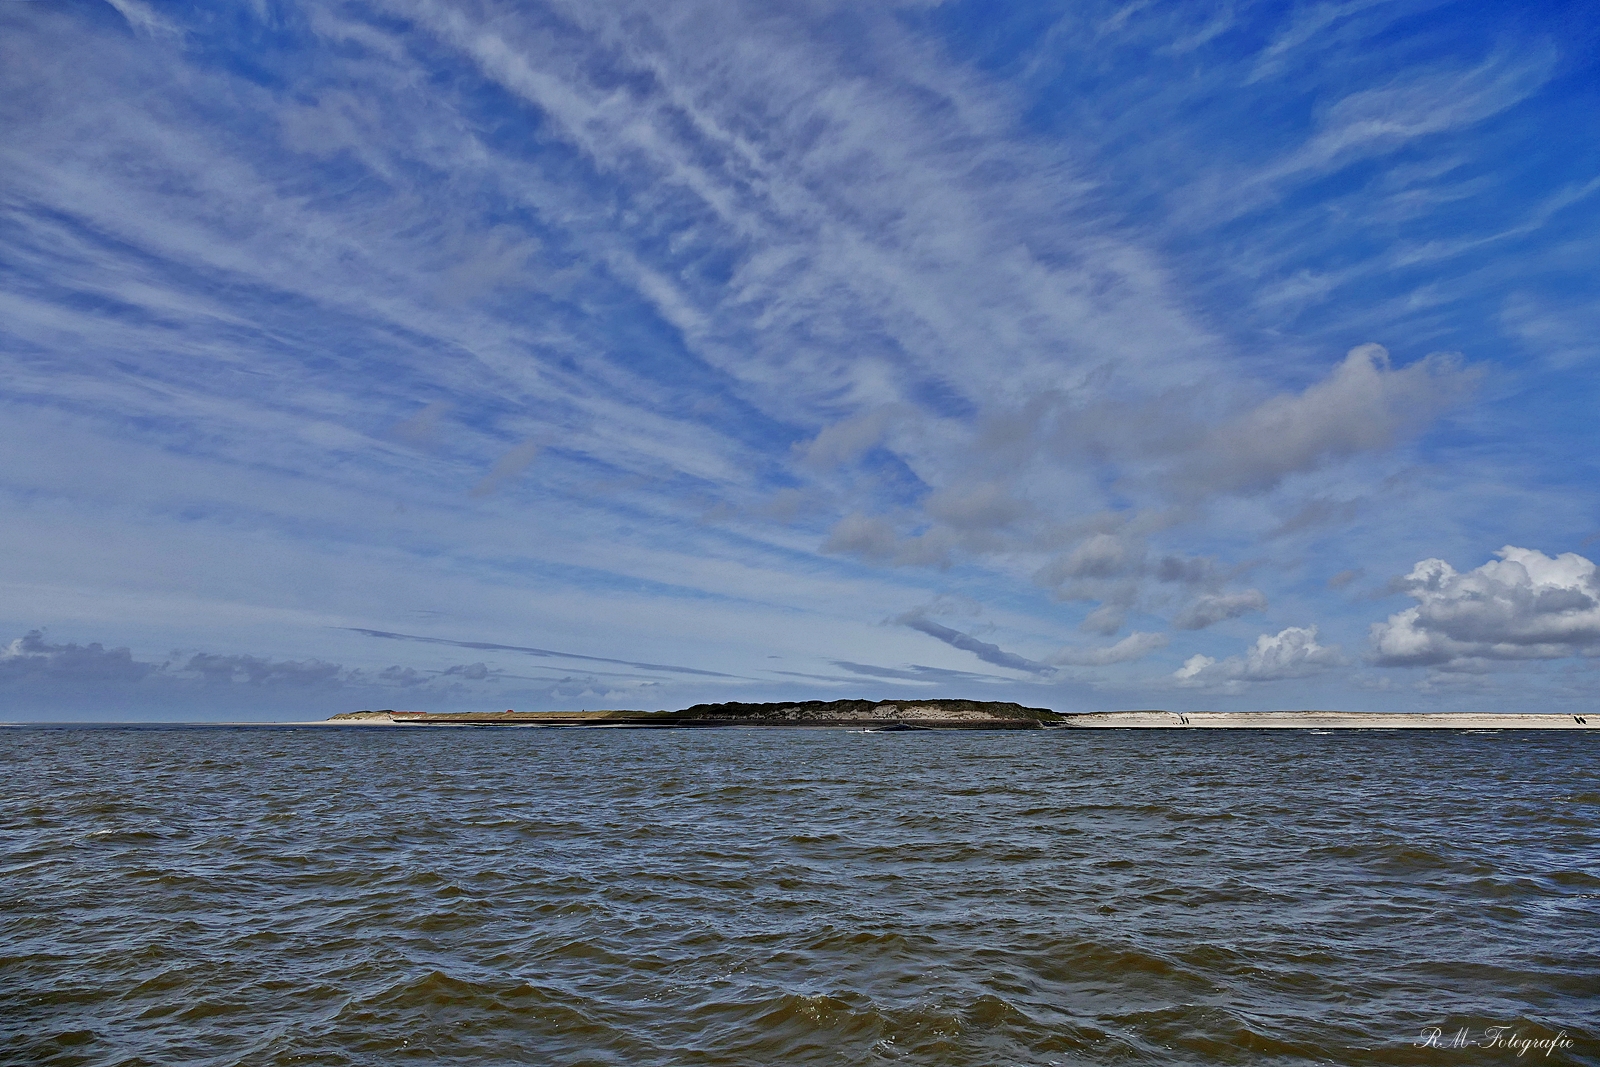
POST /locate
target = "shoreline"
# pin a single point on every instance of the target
(1329, 720)
(965, 715)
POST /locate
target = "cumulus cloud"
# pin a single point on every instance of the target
(1101, 556)
(31, 658)
(254, 670)
(985, 651)
(1106, 568)
(474, 672)
(1115, 570)
(1523, 606)
(1364, 405)
(32, 664)
(1135, 646)
(1216, 607)
(1290, 653)
(1167, 447)
(830, 218)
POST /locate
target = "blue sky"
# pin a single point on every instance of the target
(1091, 355)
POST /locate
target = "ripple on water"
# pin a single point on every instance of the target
(256, 897)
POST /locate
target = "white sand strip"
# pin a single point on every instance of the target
(1328, 720)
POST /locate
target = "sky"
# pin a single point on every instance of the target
(467, 355)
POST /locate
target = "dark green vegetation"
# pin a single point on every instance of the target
(989, 713)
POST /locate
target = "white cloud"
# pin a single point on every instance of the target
(1101, 556)
(1365, 405)
(1372, 121)
(669, 261)
(1290, 653)
(1525, 606)
(1216, 607)
(984, 506)
(845, 441)
(872, 538)
(144, 18)
(1135, 646)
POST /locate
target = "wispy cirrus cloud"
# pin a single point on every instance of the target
(543, 653)
(814, 314)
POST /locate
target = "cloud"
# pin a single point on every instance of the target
(253, 670)
(1365, 405)
(1191, 570)
(527, 650)
(422, 429)
(1524, 606)
(967, 643)
(874, 539)
(982, 506)
(1135, 646)
(681, 238)
(1216, 607)
(473, 672)
(1345, 577)
(30, 658)
(1101, 556)
(1372, 121)
(32, 665)
(1106, 568)
(1317, 512)
(912, 673)
(848, 440)
(507, 466)
(1290, 653)
(866, 536)
(1106, 619)
(143, 18)
(1115, 570)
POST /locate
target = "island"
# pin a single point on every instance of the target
(946, 714)
(862, 714)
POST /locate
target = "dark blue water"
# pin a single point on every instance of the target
(375, 896)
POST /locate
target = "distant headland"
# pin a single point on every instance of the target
(897, 715)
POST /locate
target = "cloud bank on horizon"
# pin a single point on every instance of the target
(461, 354)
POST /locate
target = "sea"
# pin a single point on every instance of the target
(325, 895)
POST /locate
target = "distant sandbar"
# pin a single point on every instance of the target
(971, 715)
(1327, 720)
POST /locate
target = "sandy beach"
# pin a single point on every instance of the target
(1325, 720)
